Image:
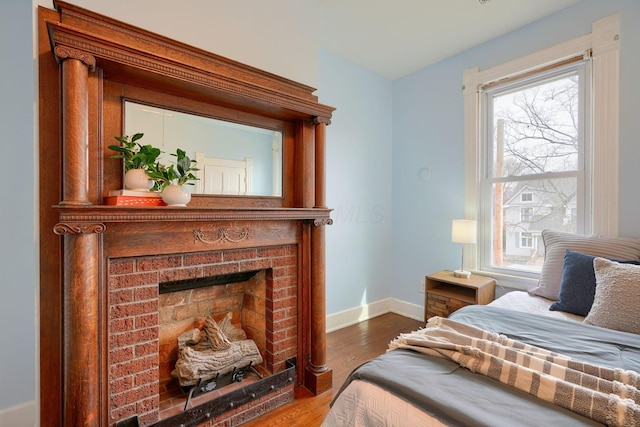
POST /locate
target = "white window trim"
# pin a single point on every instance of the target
(604, 45)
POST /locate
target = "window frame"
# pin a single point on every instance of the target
(603, 45)
(580, 66)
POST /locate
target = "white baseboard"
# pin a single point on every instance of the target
(355, 315)
(23, 415)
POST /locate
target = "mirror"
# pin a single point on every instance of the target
(233, 159)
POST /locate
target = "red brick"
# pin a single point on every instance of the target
(134, 337)
(292, 271)
(149, 418)
(284, 303)
(148, 405)
(119, 370)
(134, 395)
(291, 322)
(147, 348)
(147, 320)
(133, 309)
(123, 412)
(121, 385)
(120, 266)
(120, 355)
(255, 264)
(133, 280)
(146, 377)
(239, 254)
(121, 296)
(272, 251)
(158, 263)
(146, 293)
(180, 274)
(217, 269)
(174, 298)
(121, 325)
(208, 293)
(203, 258)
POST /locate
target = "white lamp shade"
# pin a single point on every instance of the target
(463, 231)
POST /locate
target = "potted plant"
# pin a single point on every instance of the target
(138, 160)
(172, 180)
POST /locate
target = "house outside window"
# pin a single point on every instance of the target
(541, 148)
(526, 214)
(526, 240)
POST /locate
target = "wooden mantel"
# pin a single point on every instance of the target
(88, 65)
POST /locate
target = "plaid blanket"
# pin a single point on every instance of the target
(610, 396)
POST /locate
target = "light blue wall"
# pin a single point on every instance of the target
(18, 262)
(359, 179)
(391, 227)
(428, 133)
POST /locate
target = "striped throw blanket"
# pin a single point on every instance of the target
(609, 396)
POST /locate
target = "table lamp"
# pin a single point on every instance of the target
(463, 231)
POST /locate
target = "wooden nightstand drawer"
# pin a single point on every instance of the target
(442, 306)
(445, 293)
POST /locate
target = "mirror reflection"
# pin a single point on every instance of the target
(233, 159)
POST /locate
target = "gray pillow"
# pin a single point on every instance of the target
(617, 298)
(556, 244)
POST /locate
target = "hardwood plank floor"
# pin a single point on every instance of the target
(347, 348)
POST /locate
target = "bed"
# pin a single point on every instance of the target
(405, 387)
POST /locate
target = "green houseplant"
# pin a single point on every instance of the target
(171, 180)
(138, 160)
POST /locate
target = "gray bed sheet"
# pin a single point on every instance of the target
(458, 397)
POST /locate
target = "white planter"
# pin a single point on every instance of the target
(176, 195)
(137, 180)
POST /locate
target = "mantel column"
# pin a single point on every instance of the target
(319, 376)
(81, 368)
(76, 65)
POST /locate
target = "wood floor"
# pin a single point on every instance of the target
(346, 349)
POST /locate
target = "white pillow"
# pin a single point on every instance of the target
(556, 244)
(617, 299)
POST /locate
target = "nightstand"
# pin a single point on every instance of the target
(445, 293)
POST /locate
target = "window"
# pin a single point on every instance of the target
(541, 149)
(526, 240)
(536, 141)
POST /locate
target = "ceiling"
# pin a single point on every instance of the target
(396, 38)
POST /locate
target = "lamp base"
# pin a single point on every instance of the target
(462, 273)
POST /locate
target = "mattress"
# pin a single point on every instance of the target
(402, 387)
(522, 301)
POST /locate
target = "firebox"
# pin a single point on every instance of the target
(155, 301)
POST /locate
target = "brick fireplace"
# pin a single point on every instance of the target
(140, 359)
(102, 266)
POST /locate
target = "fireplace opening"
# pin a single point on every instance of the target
(212, 338)
(151, 303)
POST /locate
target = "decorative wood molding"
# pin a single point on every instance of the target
(79, 114)
(322, 120)
(223, 236)
(65, 52)
(79, 228)
(98, 213)
(111, 41)
(322, 221)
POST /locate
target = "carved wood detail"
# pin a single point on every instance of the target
(79, 228)
(66, 52)
(223, 236)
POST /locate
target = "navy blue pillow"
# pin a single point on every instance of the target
(578, 283)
